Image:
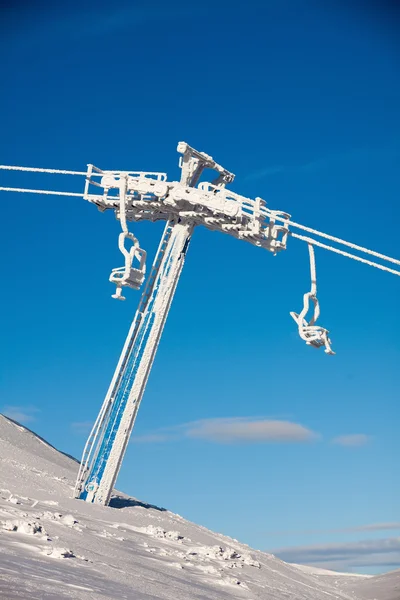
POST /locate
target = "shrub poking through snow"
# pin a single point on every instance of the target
(55, 552)
(27, 527)
(160, 533)
(225, 554)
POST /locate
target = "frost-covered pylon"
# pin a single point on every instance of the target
(149, 196)
(184, 204)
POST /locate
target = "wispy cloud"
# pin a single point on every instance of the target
(234, 430)
(346, 556)
(247, 430)
(81, 427)
(318, 164)
(374, 527)
(354, 439)
(20, 413)
(356, 528)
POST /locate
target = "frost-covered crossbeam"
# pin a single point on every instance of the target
(150, 197)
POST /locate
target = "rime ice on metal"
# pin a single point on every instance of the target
(136, 196)
(314, 335)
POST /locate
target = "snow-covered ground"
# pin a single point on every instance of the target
(54, 547)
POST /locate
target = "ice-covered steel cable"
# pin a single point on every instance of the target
(337, 240)
(266, 211)
(40, 170)
(370, 263)
(45, 192)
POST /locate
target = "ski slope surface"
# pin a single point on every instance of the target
(54, 547)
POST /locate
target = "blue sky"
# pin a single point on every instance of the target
(302, 104)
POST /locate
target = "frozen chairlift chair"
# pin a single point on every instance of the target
(314, 335)
(128, 275)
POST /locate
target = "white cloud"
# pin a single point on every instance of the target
(374, 527)
(356, 528)
(235, 430)
(21, 414)
(354, 439)
(247, 430)
(346, 556)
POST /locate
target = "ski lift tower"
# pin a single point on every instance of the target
(184, 204)
(149, 196)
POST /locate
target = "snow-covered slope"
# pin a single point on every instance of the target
(54, 547)
(381, 587)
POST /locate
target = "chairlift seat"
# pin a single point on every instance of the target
(133, 279)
